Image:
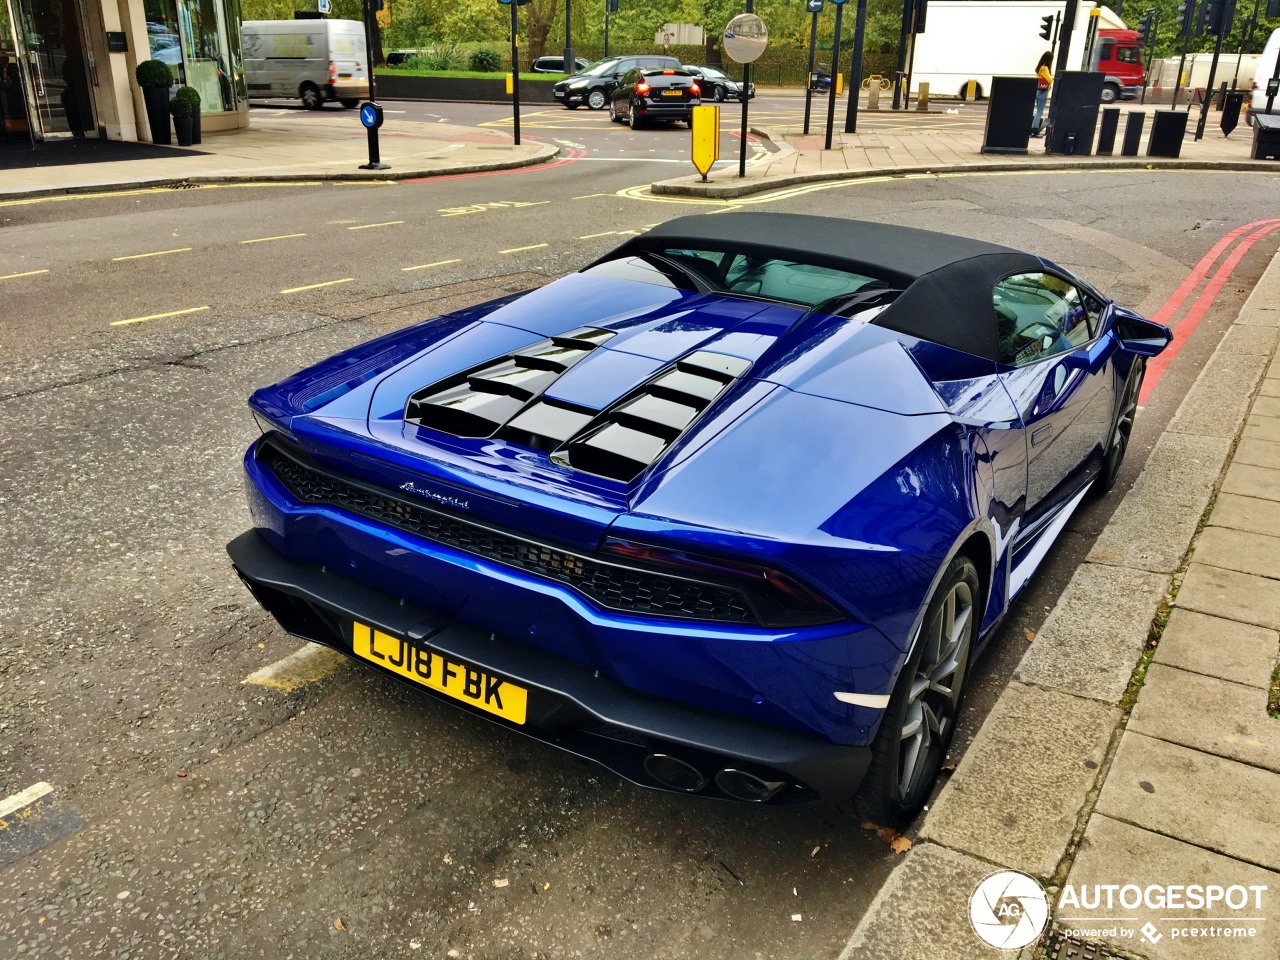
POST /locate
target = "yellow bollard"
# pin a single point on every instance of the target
(922, 97)
(511, 86)
(839, 84)
(971, 90)
(706, 138)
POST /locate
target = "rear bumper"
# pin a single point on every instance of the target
(571, 707)
(657, 110)
(349, 90)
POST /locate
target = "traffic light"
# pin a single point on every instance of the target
(1046, 27)
(917, 21)
(1144, 31)
(1273, 8)
(1216, 17)
(1186, 16)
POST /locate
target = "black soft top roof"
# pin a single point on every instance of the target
(946, 280)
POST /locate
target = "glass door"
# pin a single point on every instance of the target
(56, 66)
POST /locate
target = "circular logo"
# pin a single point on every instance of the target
(1008, 910)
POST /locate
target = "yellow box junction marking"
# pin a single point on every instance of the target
(492, 205)
(706, 138)
(24, 798)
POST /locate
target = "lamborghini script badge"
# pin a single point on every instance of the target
(448, 501)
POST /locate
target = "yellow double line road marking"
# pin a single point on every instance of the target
(370, 226)
(159, 316)
(29, 273)
(158, 253)
(536, 246)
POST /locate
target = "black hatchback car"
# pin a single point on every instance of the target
(595, 85)
(644, 94)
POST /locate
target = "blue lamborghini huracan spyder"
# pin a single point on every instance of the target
(727, 511)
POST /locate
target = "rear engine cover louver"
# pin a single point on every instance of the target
(480, 401)
(503, 398)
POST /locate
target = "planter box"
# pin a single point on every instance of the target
(466, 89)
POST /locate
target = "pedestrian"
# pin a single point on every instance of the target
(1045, 76)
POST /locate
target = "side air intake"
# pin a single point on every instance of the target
(484, 399)
(629, 435)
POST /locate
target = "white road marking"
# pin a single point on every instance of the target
(300, 668)
(24, 798)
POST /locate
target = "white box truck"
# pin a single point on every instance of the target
(975, 40)
(313, 60)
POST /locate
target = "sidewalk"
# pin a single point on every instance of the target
(947, 141)
(305, 148)
(1111, 760)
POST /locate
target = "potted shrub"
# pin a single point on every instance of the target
(192, 95)
(182, 107)
(155, 78)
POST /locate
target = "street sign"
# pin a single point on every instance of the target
(745, 37)
(814, 6)
(325, 6)
(706, 138)
(371, 116)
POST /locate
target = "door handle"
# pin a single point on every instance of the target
(1041, 434)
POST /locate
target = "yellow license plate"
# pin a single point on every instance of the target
(442, 674)
(671, 93)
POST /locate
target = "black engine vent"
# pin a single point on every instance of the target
(632, 433)
(482, 400)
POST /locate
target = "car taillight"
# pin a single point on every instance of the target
(778, 599)
(694, 89)
(642, 88)
(333, 71)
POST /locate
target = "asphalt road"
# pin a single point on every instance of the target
(349, 817)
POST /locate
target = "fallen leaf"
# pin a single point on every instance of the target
(546, 886)
(900, 845)
(949, 767)
(182, 773)
(338, 924)
(896, 841)
(1031, 635)
(501, 883)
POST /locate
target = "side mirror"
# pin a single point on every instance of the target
(1140, 335)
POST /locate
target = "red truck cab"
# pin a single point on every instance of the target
(1117, 55)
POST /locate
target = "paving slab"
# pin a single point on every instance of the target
(1268, 406)
(1092, 640)
(1229, 594)
(1017, 794)
(1113, 852)
(1219, 400)
(1240, 550)
(924, 903)
(1158, 517)
(1257, 452)
(1245, 513)
(1210, 715)
(1251, 481)
(1263, 428)
(1199, 798)
(1213, 647)
(1269, 388)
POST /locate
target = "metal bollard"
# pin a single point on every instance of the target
(922, 97)
(1107, 132)
(1132, 133)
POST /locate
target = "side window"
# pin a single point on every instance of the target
(1039, 315)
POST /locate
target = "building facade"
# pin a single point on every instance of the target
(67, 66)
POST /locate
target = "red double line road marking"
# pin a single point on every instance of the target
(574, 154)
(1157, 366)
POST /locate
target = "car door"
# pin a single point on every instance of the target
(1060, 378)
(621, 95)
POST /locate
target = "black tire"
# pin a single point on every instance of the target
(572, 106)
(311, 98)
(717, 94)
(916, 730)
(613, 111)
(1113, 458)
(596, 99)
(1110, 93)
(633, 119)
(349, 103)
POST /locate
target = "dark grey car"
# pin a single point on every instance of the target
(644, 95)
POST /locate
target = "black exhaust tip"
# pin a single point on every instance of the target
(673, 773)
(747, 786)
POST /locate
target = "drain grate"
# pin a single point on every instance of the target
(182, 185)
(1061, 947)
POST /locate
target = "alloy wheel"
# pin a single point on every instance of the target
(934, 698)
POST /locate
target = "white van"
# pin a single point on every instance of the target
(313, 60)
(1266, 70)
